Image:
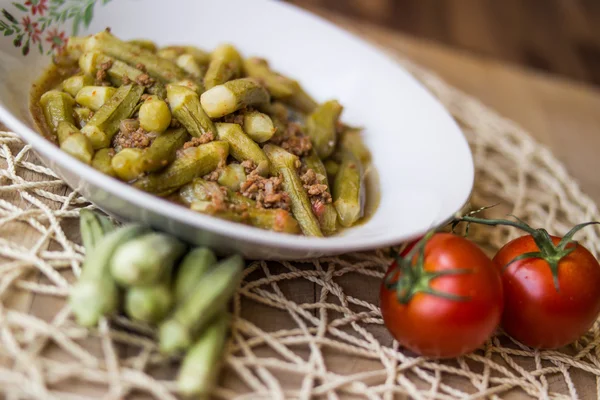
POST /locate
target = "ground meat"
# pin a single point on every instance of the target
(235, 118)
(175, 123)
(197, 141)
(213, 176)
(131, 135)
(141, 67)
(248, 165)
(145, 80)
(268, 192)
(293, 140)
(102, 74)
(126, 80)
(317, 191)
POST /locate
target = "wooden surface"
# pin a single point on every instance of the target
(561, 114)
(558, 36)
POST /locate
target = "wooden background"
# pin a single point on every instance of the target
(560, 37)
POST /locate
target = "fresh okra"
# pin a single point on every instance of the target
(105, 123)
(208, 299)
(145, 260)
(150, 303)
(94, 97)
(284, 163)
(185, 106)
(321, 127)
(241, 147)
(93, 228)
(232, 95)
(258, 126)
(200, 366)
(192, 268)
(190, 163)
(157, 67)
(102, 161)
(348, 190)
(95, 294)
(225, 64)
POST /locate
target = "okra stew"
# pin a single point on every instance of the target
(214, 131)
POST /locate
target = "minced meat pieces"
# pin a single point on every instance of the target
(268, 192)
(236, 118)
(316, 190)
(132, 135)
(145, 80)
(248, 165)
(197, 141)
(293, 140)
(102, 74)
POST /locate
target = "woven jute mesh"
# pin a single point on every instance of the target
(300, 330)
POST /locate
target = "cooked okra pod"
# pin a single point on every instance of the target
(145, 44)
(232, 176)
(190, 163)
(277, 220)
(146, 260)
(156, 66)
(225, 64)
(332, 167)
(82, 115)
(241, 147)
(284, 163)
(201, 190)
(301, 100)
(75, 143)
(200, 367)
(278, 85)
(185, 106)
(173, 52)
(190, 84)
(101, 128)
(155, 115)
(351, 141)
(325, 213)
(57, 107)
(96, 294)
(258, 126)
(102, 161)
(188, 63)
(209, 297)
(321, 127)
(74, 84)
(94, 97)
(192, 268)
(348, 190)
(127, 163)
(231, 96)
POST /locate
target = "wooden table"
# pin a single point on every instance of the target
(561, 114)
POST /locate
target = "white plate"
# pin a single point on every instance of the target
(424, 162)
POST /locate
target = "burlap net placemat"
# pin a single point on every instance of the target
(301, 330)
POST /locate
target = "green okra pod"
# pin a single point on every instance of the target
(258, 126)
(300, 100)
(192, 268)
(209, 297)
(241, 147)
(348, 190)
(75, 143)
(157, 67)
(101, 128)
(225, 64)
(163, 149)
(332, 167)
(173, 52)
(93, 228)
(284, 164)
(149, 304)
(271, 219)
(325, 212)
(144, 43)
(73, 84)
(95, 294)
(102, 161)
(321, 127)
(200, 367)
(351, 141)
(94, 97)
(145, 260)
(127, 163)
(278, 85)
(201, 190)
(188, 63)
(190, 163)
(232, 176)
(57, 107)
(185, 107)
(82, 116)
(154, 115)
(233, 95)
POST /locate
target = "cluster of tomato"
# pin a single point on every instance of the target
(444, 297)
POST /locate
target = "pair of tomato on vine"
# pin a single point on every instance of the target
(443, 297)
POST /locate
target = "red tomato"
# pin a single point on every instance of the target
(436, 326)
(535, 313)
